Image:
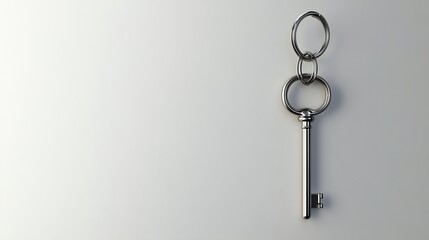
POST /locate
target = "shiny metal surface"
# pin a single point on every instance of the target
(304, 80)
(306, 119)
(322, 49)
(298, 111)
(309, 200)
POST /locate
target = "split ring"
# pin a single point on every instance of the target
(298, 111)
(319, 17)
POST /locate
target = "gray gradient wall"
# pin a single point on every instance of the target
(162, 120)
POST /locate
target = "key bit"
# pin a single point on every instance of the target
(316, 200)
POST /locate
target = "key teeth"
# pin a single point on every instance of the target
(316, 200)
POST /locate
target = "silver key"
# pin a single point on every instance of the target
(309, 200)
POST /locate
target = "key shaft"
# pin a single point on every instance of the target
(306, 119)
(308, 200)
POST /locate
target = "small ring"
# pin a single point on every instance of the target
(298, 111)
(319, 17)
(313, 74)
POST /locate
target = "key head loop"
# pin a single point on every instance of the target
(301, 111)
(319, 17)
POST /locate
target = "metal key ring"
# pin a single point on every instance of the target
(313, 75)
(319, 17)
(299, 111)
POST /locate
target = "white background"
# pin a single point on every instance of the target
(162, 120)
